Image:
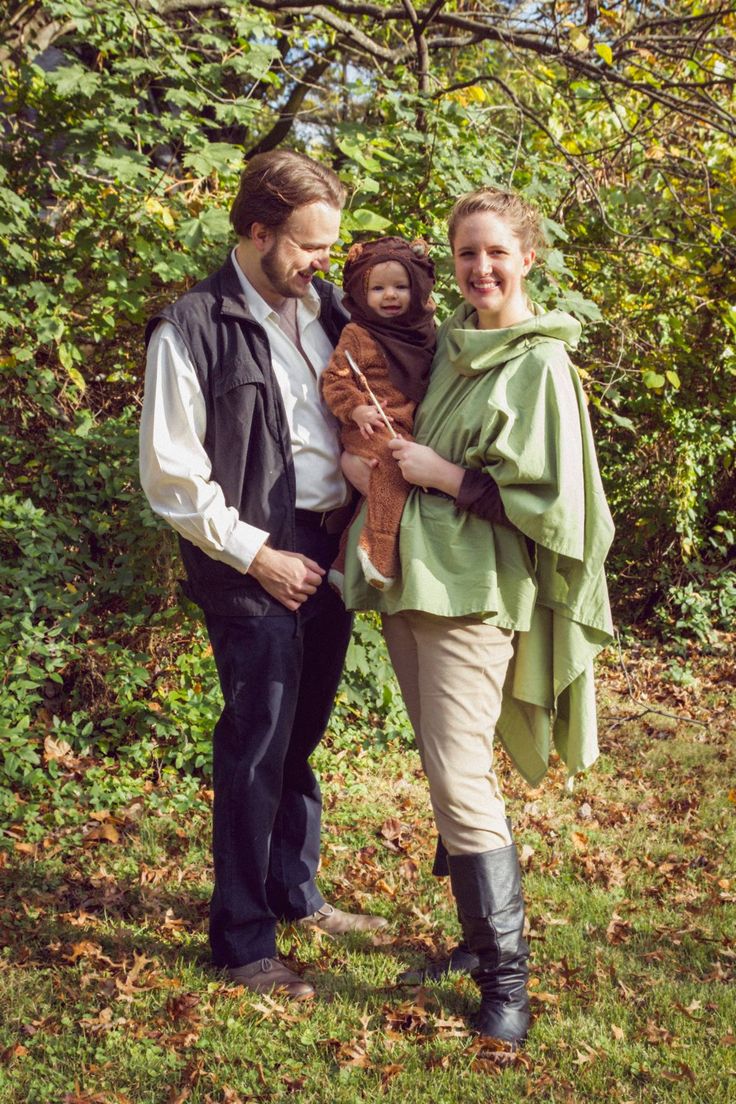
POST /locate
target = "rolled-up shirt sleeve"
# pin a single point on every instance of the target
(175, 470)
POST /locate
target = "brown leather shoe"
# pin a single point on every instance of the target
(336, 922)
(268, 975)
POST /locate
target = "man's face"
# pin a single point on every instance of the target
(300, 247)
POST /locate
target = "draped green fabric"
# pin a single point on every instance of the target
(510, 403)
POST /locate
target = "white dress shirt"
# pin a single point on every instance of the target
(175, 470)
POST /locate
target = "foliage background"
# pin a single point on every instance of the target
(126, 125)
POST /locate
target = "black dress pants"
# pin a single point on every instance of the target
(279, 675)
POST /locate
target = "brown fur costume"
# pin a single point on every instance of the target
(395, 356)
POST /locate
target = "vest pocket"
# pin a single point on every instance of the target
(237, 374)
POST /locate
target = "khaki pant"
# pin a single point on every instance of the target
(451, 671)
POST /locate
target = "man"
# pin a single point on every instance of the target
(239, 455)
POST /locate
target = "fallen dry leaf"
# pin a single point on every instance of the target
(586, 1056)
(229, 1096)
(78, 1097)
(526, 854)
(408, 870)
(183, 1007)
(350, 1055)
(84, 949)
(59, 751)
(544, 998)
(694, 1006)
(293, 1084)
(618, 930)
(102, 833)
(390, 1071)
(492, 1056)
(189, 1078)
(11, 1052)
(684, 1073)
(659, 1036)
(173, 922)
(395, 834)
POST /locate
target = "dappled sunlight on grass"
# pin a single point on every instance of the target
(107, 995)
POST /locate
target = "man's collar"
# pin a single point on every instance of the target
(257, 307)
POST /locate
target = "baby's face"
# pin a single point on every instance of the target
(388, 292)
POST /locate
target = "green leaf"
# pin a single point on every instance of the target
(49, 329)
(72, 80)
(577, 304)
(127, 166)
(555, 229)
(66, 355)
(363, 219)
(653, 380)
(220, 157)
(211, 225)
(674, 379)
(77, 378)
(578, 39)
(555, 263)
(604, 50)
(355, 149)
(13, 202)
(258, 59)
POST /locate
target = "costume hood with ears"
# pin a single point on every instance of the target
(409, 339)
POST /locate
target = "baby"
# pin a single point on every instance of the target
(391, 340)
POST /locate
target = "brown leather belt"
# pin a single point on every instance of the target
(332, 521)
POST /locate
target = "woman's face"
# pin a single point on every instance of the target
(490, 266)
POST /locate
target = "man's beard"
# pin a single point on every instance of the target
(272, 270)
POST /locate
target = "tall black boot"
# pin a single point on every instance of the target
(460, 960)
(487, 889)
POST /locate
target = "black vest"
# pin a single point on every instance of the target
(247, 438)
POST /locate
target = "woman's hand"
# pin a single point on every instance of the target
(357, 471)
(424, 467)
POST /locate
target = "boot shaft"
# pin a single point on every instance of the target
(487, 888)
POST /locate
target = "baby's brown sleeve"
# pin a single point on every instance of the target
(341, 389)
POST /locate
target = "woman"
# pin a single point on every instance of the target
(502, 603)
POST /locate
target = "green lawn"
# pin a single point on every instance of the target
(106, 995)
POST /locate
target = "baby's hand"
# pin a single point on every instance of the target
(366, 417)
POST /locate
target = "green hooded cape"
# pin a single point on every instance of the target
(510, 403)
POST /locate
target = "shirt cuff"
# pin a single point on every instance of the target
(243, 545)
(479, 494)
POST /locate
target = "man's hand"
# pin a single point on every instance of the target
(289, 577)
(357, 471)
(367, 418)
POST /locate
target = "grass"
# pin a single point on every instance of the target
(106, 995)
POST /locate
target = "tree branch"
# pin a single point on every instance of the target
(290, 110)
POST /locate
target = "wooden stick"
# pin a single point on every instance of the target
(374, 400)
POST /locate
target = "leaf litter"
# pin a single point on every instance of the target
(643, 836)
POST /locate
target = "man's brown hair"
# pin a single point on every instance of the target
(276, 183)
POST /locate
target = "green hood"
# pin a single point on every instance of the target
(472, 351)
